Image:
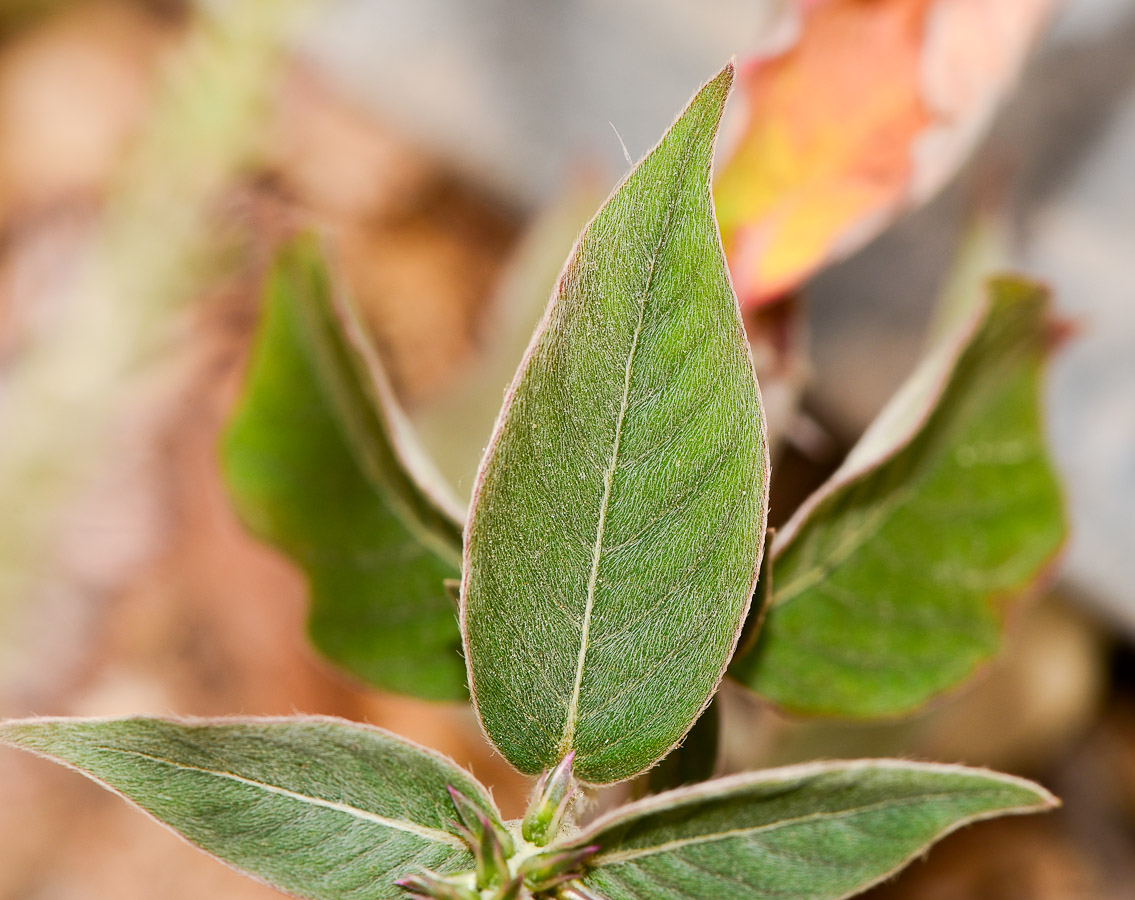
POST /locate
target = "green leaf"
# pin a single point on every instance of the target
(891, 583)
(695, 760)
(618, 514)
(321, 808)
(319, 463)
(813, 832)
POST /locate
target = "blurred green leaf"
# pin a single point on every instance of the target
(814, 832)
(891, 582)
(321, 808)
(319, 463)
(619, 512)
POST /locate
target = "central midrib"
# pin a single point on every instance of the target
(609, 476)
(622, 856)
(421, 831)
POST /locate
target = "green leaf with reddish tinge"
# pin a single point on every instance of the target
(814, 832)
(319, 463)
(891, 583)
(618, 516)
(321, 808)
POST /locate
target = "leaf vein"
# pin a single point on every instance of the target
(746, 833)
(422, 831)
(572, 715)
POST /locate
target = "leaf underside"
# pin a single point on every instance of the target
(891, 583)
(312, 464)
(618, 515)
(321, 808)
(815, 832)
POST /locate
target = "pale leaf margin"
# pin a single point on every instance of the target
(898, 425)
(198, 721)
(592, 834)
(374, 384)
(903, 418)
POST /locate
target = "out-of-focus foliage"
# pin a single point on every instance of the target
(316, 465)
(890, 584)
(15, 13)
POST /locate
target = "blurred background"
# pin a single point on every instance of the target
(152, 153)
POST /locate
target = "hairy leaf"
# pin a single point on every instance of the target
(695, 760)
(890, 584)
(318, 463)
(814, 832)
(617, 519)
(321, 808)
(869, 111)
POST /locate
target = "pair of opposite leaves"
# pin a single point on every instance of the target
(609, 560)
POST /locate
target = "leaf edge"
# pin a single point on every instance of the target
(5, 741)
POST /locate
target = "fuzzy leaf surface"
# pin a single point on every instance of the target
(617, 521)
(815, 832)
(891, 583)
(316, 465)
(695, 760)
(321, 808)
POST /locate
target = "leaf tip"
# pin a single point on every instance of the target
(1059, 330)
(721, 84)
(729, 71)
(16, 732)
(1046, 800)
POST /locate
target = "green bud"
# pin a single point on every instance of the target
(492, 867)
(512, 890)
(475, 821)
(549, 803)
(546, 870)
(428, 886)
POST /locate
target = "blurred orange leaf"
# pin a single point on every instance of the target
(872, 108)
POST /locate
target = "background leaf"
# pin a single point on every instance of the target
(820, 831)
(868, 112)
(890, 583)
(617, 522)
(321, 808)
(317, 465)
